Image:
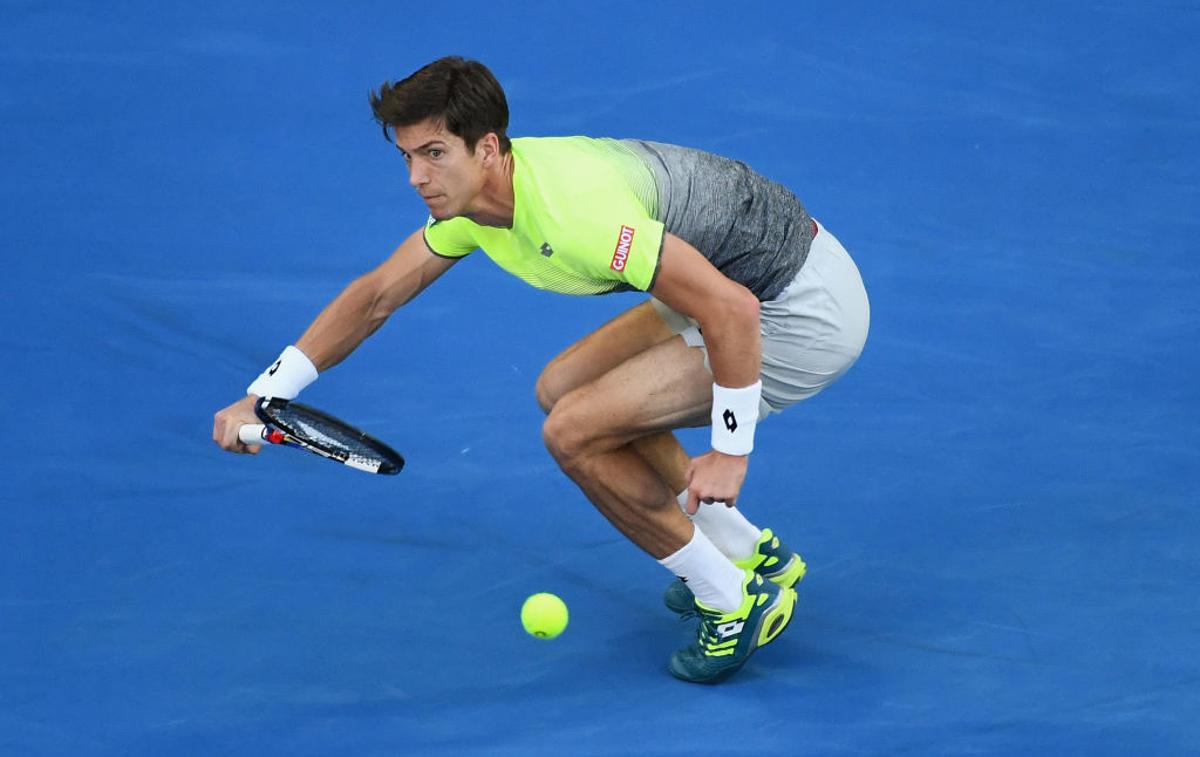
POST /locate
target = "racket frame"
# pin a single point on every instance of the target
(276, 432)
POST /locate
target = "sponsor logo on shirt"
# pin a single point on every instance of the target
(621, 254)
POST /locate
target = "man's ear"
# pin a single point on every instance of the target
(488, 148)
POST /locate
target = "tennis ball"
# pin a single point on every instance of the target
(544, 615)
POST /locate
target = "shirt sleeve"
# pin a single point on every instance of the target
(616, 239)
(452, 238)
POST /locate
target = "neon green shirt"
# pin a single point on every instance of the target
(583, 219)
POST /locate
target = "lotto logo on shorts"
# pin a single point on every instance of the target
(621, 254)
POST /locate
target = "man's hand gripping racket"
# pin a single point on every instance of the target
(291, 424)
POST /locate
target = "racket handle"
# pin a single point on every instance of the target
(252, 433)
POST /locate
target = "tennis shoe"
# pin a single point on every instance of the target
(725, 641)
(771, 559)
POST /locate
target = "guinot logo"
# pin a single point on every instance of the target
(621, 254)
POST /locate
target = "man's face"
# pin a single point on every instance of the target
(446, 175)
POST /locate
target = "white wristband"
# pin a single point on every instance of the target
(734, 415)
(286, 376)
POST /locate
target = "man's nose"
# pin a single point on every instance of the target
(416, 176)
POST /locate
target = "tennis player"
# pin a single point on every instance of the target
(753, 307)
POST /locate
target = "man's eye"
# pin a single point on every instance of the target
(435, 153)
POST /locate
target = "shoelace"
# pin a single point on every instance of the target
(694, 612)
(706, 635)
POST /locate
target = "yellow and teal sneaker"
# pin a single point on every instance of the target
(725, 641)
(771, 559)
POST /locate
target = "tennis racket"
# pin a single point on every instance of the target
(294, 425)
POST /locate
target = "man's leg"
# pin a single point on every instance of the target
(629, 334)
(724, 528)
(591, 430)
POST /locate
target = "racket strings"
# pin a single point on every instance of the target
(334, 436)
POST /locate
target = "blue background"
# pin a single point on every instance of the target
(998, 503)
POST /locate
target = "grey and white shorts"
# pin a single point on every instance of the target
(811, 333)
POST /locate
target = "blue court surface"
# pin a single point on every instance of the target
(998, 503)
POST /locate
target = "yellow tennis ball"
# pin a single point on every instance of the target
(544, 615)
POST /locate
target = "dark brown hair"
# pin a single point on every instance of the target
(460, 93)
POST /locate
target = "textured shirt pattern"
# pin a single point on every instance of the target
(751, 229)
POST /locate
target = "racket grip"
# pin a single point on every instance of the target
(252, 433)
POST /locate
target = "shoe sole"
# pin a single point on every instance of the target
(792, 574)
(776, 619)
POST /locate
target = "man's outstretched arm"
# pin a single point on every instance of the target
(369, 300)
(352, 316)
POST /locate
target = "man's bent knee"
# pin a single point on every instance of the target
(564, 437)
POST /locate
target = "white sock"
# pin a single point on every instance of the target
(712, 578)
(726, 528)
